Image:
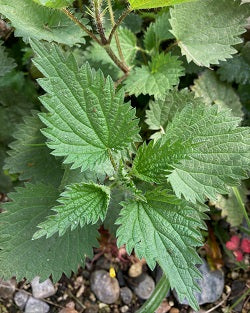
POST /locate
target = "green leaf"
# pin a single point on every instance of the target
(5, 181)
(199, 154)
(32, 20)
(161, 112)
(230, 207)
(165, 230)
(209, 87)
(79, 204)
(206, 30)
(87, 119)
(158, 32)
(21, 256)
(157, 78)
(30, 156)
(150, 4)
(55, 3)
(237, 69)
(7, 64)
(96, 54)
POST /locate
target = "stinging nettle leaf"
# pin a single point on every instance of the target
(21, 256)
(165, 230)
(55, 3)
(210, 36)
(238, 68)
(209, 87)
(161, 74)
(150, 4)
(32, 20)
(202, 153)
(80, 204)
(158, 32)
(30, 156)
(87, 119)
(7, 64)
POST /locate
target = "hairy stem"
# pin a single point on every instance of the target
(157, 296)
(241, 203)
(112, 160)
(99, 24)
(115, 59)
(116, 35)
(83, 27)
(118, 23)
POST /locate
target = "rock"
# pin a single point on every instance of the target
(42, 290)
(105, 287)
(126, 295)
(145, 286)
(68, 310)
(124, 309)
(36, 306)
(174, 310)
(120, 279)
(135, 269)
(236, 292)
(164, 307)
(7, 288)
(211, 284)
(21, 298)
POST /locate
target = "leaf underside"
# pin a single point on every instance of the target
(32, 20)
(209, 87)
(210, 36)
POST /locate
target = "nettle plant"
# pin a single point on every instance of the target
(88, 161)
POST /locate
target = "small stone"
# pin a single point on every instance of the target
(211, 285)
(102, 305)
(36, 306)
(126, 295)
(21, 298)
(145, 286)
(164, 307)
(42, 290)
(105, 287)
(235, 275)
(174, 310)
(92, 297)
(120, 279)
(7, 288)
(200, 311)
(124, 309)
(135, 269)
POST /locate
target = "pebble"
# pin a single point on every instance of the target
(21, 298)
(7, 288)
(105, 287)
(145, 286)
(211, 284)
(42, 290)
(103, 263)
(164, 307)
(135, 269)
(68, 310)
(174, 310)
(126, 295)
(124, 309)
(237, 288)
(36, 306)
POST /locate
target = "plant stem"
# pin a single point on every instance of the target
(157, 296)
(116, 35)
(99, 23)
(118, 23)
(118, 62)
(241, 203)
(83, 27)
(112, 160)
(245, 294)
